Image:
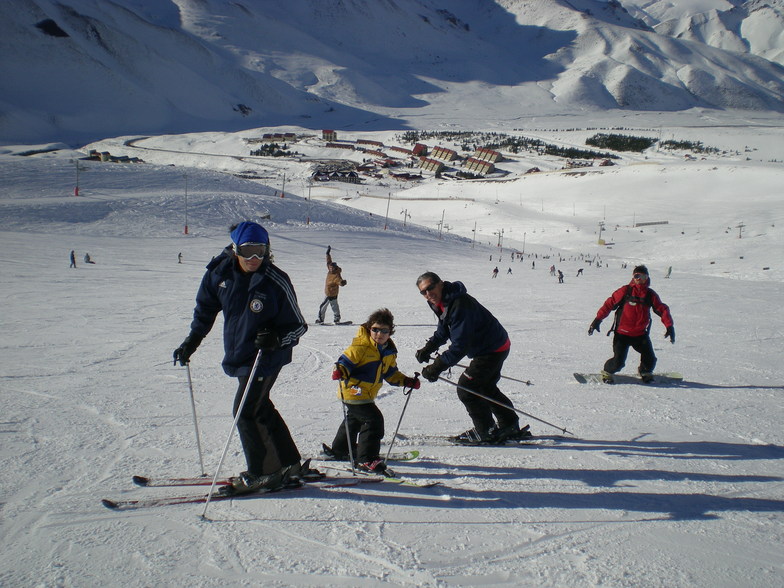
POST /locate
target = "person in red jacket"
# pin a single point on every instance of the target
(633, 304)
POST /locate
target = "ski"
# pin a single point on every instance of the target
(337, 324)
(391, 480)
(397, 456)
(324, 483)
(658, 378)
(533, 440)
(154, 482)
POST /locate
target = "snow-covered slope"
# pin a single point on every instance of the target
(85, 69)
(664, 486)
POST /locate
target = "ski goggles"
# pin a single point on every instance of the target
(639, 276)
(251, 250)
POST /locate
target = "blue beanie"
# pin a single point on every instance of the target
(249, 232)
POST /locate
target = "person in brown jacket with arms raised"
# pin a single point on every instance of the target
(331, 288)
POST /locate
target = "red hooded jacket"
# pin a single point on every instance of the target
(636, 314)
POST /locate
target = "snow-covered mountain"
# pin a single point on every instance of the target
(85, 69)
(756, 27)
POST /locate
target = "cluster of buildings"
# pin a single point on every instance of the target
(436, 160)
(105, 156)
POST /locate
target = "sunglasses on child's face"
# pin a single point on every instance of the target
(639, 276)
(382, 330)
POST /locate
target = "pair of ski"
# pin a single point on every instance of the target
(327, 482)
(327, 464)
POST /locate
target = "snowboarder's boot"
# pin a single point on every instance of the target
(646, 377)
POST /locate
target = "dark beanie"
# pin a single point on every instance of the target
(640, 269)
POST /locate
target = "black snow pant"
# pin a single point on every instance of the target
(482, 376)
(366, 429)
(265, 438)
(641, 345)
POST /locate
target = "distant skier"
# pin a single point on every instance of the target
(509, 271)
(179, 257)
(331, 289)
(633, 303)
(73, 259)
(88, 259)
(579, 272)
(495, 272)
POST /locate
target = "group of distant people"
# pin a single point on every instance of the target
(87, 259)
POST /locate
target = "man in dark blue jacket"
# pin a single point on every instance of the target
(260, 316)
(474, 332)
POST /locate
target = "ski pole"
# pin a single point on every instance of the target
(563, 430)
(526, 382)
(231, 432)
(348, 436)
(195, 420)
(400, 420)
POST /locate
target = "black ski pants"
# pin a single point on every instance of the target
(265, 438)
(482, 376)
(641, 345)
(365, 429)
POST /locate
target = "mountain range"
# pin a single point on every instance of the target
(80, 70)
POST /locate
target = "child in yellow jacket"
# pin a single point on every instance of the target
(361, 370)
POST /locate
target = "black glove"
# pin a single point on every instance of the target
(267, 340)
(423, 355)
(432, 371)
(594, 326)
(184, 351)
(670, 334)
(329, 248)
(343, 282)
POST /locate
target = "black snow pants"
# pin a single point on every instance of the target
(366, 429)
(641, 345)
(265, 438)
(482, 376)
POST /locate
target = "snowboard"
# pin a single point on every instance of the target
(336, 324)
(658, 378)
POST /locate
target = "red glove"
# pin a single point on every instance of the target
(339, 373)
(412, 383)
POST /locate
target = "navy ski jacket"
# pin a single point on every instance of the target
(471, 328)
(250, 303)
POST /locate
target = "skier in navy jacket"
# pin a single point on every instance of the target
(472, 331)
(260, 315)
